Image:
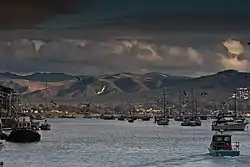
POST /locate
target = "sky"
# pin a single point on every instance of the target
(96, 37)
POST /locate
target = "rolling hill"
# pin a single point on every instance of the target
(122, 85)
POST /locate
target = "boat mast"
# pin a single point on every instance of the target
(180, 101)
(164, 102)
(46, 94)
(235, 102)
(193, 102)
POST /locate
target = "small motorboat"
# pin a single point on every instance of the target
(191, 121)
(45, 126)
(130, 120)
(178, 118)
(163, 121)
(121, 118)
(222, 145)
(145, 118)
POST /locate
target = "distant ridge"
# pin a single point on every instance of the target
(65, 86)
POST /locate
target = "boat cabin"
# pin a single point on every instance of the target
(1, 125)
(223, 142)
(24, 122)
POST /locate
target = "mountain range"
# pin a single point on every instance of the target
(121, 86)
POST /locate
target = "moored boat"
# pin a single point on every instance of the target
(121, 118)
(45, 126)
(191, 121)
(145, 118)
(164, 121)
(229, 122)
(178, 118)
(130, 120)
(222, 145)
(23, 132)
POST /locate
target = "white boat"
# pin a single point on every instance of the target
(222, 145)
(229, 122)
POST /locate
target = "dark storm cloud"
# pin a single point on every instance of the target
(178, 37)
(109, 56)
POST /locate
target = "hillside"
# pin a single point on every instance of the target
(119, 86)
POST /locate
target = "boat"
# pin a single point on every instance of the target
(191, 121)
(87, 116)
(130, 120)
(3, 136)
(45, 126)
(67, 116)
(145, 118)
(222, 145)
(107, 117)
(178, 118)
(165, 119)
(203, 117)
(229, 122)
(23, 132)
(121, 118)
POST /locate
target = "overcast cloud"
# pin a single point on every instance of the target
(135, 55)
(93, 37)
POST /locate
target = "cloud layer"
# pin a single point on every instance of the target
(189, 57)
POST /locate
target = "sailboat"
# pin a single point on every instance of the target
(165, 119)
(179, 116)
(121, 117)
(192, 120)
(131, 119)
(46, 125)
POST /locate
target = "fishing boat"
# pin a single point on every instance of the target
(23, 132)
(222, 145)
(45, 126)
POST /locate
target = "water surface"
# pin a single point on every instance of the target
(102, 143)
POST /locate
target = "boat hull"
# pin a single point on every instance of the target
(45, 127)
(230, 127)
(163, 122)
(230, 153)
(24, 136)
(191, 124)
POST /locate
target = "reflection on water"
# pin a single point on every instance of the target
(100, 143)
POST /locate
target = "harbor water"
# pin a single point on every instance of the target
(110, 143)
